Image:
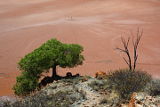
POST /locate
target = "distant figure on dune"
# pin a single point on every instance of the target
(70, 18)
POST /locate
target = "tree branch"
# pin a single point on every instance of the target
(135, 46)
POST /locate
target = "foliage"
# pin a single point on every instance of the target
(52, 53)
(70, 56)
(25, 84)
(154, 87)
(49, 55)
(125, 82)
(41, 58)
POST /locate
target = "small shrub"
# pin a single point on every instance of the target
(155, 87)
(96, 85)
(110, 100)
(100, 85)
(25, 84)
(125, 82)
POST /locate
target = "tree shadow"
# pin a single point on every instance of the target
(46, 80)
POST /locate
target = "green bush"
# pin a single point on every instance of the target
(125, 82)
(25, 84)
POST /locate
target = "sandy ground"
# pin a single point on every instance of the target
(95, 24)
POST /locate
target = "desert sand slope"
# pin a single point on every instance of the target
(95, 24)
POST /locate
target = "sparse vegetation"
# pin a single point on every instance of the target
(114, 90)
(55, 95)
(99, 85)
(59, 99)
(154, 87)
(111, 100)
(126, 82)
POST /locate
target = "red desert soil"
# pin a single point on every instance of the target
(95, 24)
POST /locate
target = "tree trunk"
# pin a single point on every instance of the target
(54, 73)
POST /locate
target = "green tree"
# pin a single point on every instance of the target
(51, 54)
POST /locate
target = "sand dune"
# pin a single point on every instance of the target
(95, 24)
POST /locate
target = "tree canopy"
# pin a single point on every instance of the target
(52, 53)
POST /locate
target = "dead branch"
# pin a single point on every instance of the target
(135, 46)
(135, 43)
(126, 51)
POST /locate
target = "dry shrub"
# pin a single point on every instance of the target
(125, 81)
(154, 88)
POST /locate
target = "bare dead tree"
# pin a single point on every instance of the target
(135, 47)
(126, 51)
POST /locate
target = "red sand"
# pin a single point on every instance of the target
(96, 24)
